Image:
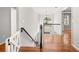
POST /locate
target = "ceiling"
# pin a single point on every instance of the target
(48, 10)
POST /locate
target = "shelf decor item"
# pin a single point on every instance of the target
(47, 19)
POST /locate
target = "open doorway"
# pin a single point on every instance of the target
(66, 21)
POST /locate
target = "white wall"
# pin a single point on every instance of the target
(58, 20)
(5, 30)
(29, 20)
(75, 26)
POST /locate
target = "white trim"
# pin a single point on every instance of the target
(75, 47)
(14, 42)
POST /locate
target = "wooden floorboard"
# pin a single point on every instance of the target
(2, 47)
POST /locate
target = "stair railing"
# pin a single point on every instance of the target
(23, 29)
(13, 43)
(40, 38)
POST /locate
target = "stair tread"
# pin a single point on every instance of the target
(29, 49)
(2, 47)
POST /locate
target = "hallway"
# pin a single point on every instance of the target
(44, 29)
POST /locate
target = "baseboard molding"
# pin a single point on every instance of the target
(75, 47)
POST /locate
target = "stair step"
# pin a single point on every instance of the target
(29, 49)
(2, 47)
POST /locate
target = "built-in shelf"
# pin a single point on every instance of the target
(52, 24)
(66, 12)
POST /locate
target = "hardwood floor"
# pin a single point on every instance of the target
(58, 43)
(54, 43)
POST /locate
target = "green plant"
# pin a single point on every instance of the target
(47, 19)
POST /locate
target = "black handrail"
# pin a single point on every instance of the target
(22, 29)
(40, 38)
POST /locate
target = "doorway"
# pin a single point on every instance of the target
(66, 20)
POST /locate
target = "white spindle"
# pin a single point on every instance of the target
(14, 42)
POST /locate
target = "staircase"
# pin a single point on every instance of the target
(2, 47)
(29, 49)
(28, 44)
(22, 41)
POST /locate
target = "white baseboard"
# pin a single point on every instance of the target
(75, 47)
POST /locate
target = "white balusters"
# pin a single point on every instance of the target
(13, 43)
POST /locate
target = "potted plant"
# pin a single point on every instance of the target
(47, 19)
